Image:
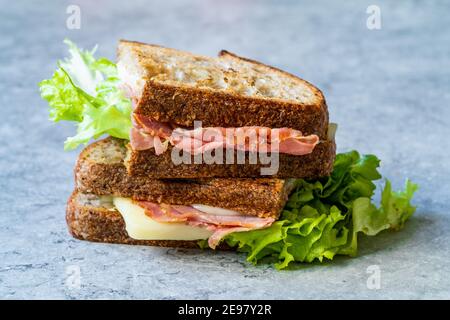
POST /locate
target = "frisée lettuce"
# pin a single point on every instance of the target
(84, 90)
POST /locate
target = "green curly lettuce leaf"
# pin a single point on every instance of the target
(84, 90)
(322, 218)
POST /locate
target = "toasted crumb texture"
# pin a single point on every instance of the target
(225, 73)
(101, 171)
(177, 86)
(112, 152)
(93, 219)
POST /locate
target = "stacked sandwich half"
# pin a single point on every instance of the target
(219, 152)
(214, 148)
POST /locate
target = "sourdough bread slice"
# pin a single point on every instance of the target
(229, 91)
(100, 170)
(93, 218)
(317, 164)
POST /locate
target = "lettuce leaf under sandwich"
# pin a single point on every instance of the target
(323, 218)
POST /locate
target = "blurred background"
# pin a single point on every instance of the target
(386, 82)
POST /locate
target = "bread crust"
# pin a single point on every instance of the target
(317, 164)
(264, 197)
(107, 225)
(184, 105)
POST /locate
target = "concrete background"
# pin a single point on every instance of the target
(388, 89)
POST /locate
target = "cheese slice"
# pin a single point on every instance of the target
(141, 227)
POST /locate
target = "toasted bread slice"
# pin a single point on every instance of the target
(100, 170)
(94, 218)
(229, 91)
(317, 164)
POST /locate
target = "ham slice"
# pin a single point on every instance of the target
(153, 127)
(140, 140)
(255, 139)
(221, 225)
(148, 133)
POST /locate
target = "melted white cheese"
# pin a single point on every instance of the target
(141, 227)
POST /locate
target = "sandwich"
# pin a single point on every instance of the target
(291, 220)
(108, 205)
(233, 100)
(127, 191)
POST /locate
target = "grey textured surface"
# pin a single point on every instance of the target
(388, 89)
